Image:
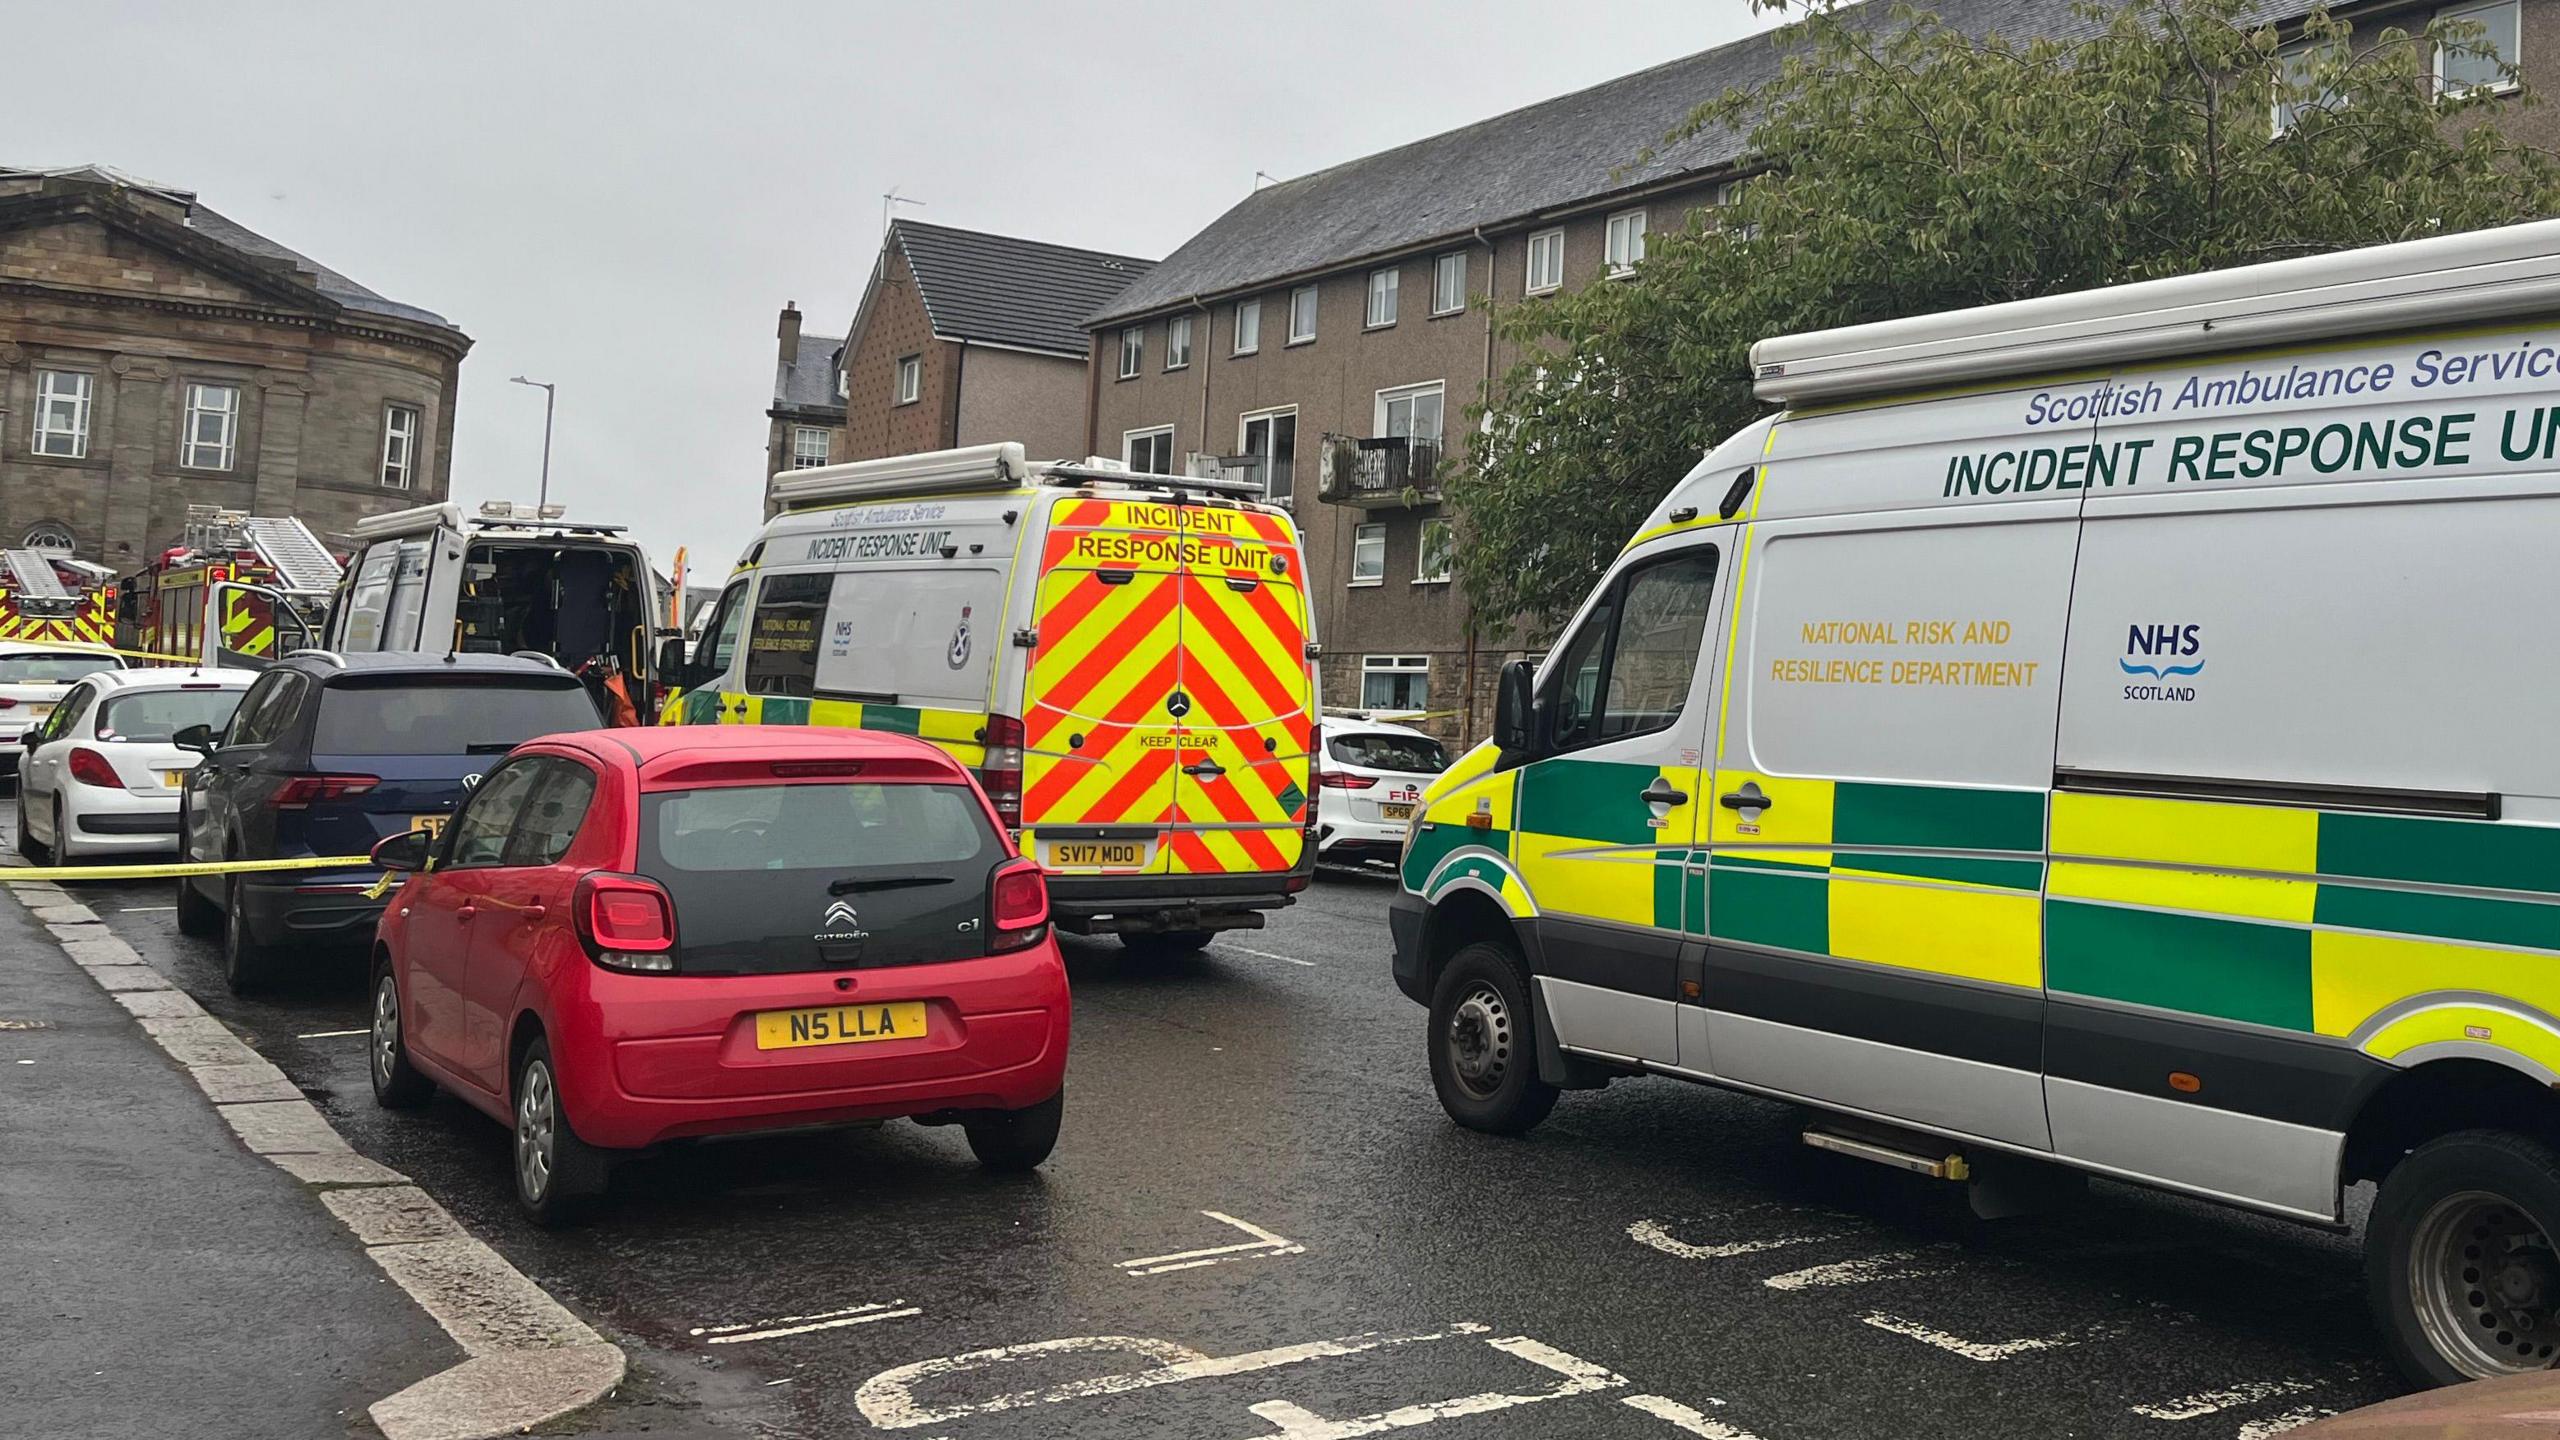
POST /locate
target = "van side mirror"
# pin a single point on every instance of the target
(1515, 709)
(671, 661)
(405, 852)
(198, 737)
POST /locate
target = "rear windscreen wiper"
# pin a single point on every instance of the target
(491, 747)
(850, 884)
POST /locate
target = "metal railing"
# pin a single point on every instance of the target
(1383, 471)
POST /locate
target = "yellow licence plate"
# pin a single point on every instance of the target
(174, 779)
(1396, 812)
(1107, 855)
(432, 824)
(840, 1025)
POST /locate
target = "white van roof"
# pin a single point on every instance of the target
(2505, 273)
(976, 468)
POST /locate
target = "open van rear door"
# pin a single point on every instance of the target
(249, 627)
(1241, 796)
(400, 592)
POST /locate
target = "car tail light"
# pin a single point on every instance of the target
(7, 704)
(1017, 906)
(626, 922)
(1343, 780)
(303, 790)
(91, 768)
(1002, 772)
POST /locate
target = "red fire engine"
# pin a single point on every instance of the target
(240, 591)
(47, 595)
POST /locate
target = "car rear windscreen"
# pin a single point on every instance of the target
(411, 716)
(37, 667)
(821, 875)
(1380, 750)
(152, 716)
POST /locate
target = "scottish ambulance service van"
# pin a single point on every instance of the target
(1125, 659)
(2114, 733)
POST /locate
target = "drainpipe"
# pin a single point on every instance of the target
(1093, 396)
(1204, 348)
(1466, 604)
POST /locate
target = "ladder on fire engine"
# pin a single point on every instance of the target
(38, 589)
(296, 555)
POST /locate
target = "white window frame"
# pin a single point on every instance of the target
(801, 458)
(1623, 242)
(1177, 342)
(1244, 424)
(1385, 285)
(844, 383)
(909, 386)
(2287, 54)
(219, 455)
(1552, 243)
(1393, 665)
(1730, 191)
(2501, 85)
(1129, 438)
(1315, 297)
(1393, 393)
(1133, 350)
(48, 536)
(1373, 533)
(400, 445)
(1454, 301)
(82, 386)
(1253, 345)
(1448, 556)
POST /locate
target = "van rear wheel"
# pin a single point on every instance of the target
(2460, 1259)
(1483, 1043)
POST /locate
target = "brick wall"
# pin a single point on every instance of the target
(895, 326)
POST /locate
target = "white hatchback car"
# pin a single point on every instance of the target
(1373, 776)
(34, 675)
(102, 775)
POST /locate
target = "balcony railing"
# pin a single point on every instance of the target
(1382, 472)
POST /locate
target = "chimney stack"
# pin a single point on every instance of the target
(788, 331)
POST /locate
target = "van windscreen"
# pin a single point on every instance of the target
(820, 875)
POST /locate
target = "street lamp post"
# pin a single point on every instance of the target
(550, 393)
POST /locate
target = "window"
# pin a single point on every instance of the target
(2490, 44)
(1626, 241)
(1546, 261)
(270, 702)
(1302, 314)
(489, 816)
(399, 445)
(553, 812)
(910, 378)
(50, 537)
(1369, 555)
(782, 644)
(1388, 750)
(1395, 682)
(1272, 438)
(844, 380)
(51, 667)
(808, 447)
(150, 717)
(1449, 283)
(719, 643)
(1133, 351)
(1730, 193)
(1248, 326)
(1412, 412)
(62, 413)
(467, 714)
(1626, 670)
(1177, 342)
(2300, 61)
(213, 427)
(1438, 555)
(1382, 297)
(1149, 452)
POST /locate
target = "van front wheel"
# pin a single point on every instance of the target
(2460, 1260)
(1484, 1052)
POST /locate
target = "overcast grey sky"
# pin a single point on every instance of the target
(618, 198)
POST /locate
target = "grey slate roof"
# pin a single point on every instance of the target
(1552, 155)
(997, 290)
(809, 381)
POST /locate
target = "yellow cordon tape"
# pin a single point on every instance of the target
(33, 874)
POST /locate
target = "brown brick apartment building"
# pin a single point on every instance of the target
(1329, 333)
(156, 354)
(805, 424)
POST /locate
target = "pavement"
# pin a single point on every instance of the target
(1259, 1223)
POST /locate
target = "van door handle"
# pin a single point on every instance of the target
(1661, 793)
(1746, 798)
(1204, 770)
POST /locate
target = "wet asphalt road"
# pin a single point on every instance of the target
(1658, 1260)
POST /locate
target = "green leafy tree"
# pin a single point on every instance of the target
(1910, 168)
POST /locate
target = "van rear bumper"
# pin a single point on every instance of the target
(1150, 904)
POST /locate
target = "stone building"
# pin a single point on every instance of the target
(805, 424)
(156, 354)
(1328, 334)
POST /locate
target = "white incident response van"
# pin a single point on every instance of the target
(1125, 659)
(2110, 733)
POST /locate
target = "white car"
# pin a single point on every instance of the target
(34, 674)
(102, 775)
(1373, 776)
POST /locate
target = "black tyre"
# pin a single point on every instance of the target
(1166, 945)
(558, 1175)
(1483, 1043)
(197, 916)
(61, 834)
(247, 966)
(397, 1085)
(28, 849)
(1012, 1141)
(2460, 1262)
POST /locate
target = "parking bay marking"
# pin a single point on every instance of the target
(780, 1325)
(1892, 1265)
(1651, 1232)
(1266, 954)
(1263, 1245)
(1985, 1350)
(2210, 1402)
(2293, 1419)
(1684, 1419)
(330, 1034)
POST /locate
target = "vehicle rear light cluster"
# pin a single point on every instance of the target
(1340, 780)
(626, 922)
(1017, 906)
(1001, 774)
(1318, 778)
(88, 767)
(305, 790)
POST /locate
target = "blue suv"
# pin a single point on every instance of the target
(329, 753)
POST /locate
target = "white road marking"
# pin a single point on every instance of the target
(1263, 1245)
(2191, 1407)
(780, 1325)
(1969, 1349)
(1684, 1419)
(1265, 954)
(329, 1034)
(1650, 1232)
(1893, 1265)
(1581, 1378)
(144, 909)
(2293, 1419)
